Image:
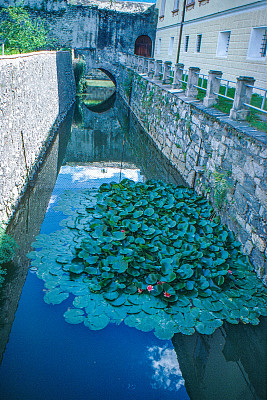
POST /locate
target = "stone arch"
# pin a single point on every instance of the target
(104, 106)
(143, 46)
(109, 74)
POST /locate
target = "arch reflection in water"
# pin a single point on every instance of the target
(228, 365)
(98, 90)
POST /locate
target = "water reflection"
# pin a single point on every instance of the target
(230, 364)
(26, 224)
(167, 373)
(85, 173)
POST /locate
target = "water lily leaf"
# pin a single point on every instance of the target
(185, 271)
(134, 309)
(111, 296)
(128, 236)
(149, 231)
(119, 301)
(90, 259)
(147, 324)
(149, 211)
(136, 298)
(120, 265)
(96, 322)
(190, 285)
(133, 320)
(138, 214)
(133, 226)
(81, 301)
(74, 316)
(118, 235)
(165, 330)
(133, 272)
(205, 329)
(76, 268)
(151, 279)
(55, 296)
(66, 259)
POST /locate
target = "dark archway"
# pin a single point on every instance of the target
(104, 106)
(143, 46)
(109, 74)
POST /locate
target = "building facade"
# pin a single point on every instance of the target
(229, 36)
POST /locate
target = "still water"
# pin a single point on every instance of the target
(43, 357)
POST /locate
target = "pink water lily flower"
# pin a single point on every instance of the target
(150, 288)
(229, 271)
(166, 294)
(140, 290)
(122, 230)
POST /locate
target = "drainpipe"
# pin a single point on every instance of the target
(180, 33)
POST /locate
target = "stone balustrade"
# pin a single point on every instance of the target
(174, 75)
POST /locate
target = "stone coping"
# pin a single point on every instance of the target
(240, 126)
(22, 55)
(119, 6)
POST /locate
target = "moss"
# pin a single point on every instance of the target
(7, 251)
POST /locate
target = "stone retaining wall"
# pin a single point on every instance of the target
(224, 159)
(36, 91)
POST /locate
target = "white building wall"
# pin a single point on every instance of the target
(209, 18)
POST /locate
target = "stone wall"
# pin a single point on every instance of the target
(36, 91)
(95, 25)
(224, 159)
(25, 226)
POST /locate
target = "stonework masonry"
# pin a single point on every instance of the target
(36, 91)
(223, 159)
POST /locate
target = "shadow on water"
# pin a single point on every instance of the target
(26, 224)
(228, 365)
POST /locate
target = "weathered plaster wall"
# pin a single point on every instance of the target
(36, 91)
(223, 159)
(96, 25)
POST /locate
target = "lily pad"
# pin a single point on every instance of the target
(147, 253)
(74, 316)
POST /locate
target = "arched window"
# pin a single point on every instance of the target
(143, 46)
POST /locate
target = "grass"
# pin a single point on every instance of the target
(99, 83)
(92, 102)
(255, 118)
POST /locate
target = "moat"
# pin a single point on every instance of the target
(47, 358)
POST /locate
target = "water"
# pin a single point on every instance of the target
(46, 358)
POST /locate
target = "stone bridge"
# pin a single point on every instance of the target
(99, 30)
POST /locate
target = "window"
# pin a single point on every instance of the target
(198, 43)
(162, 9)
(190, 3)
(176, 5)
(223, 44)
(171, 46)
(186, 43)
(257, 43)
(159, 46)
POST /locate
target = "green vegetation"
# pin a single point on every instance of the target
(99, 83)
(220, 189)
(150, 255)
(255, 118)
(7, 251)
(79, 67)
(127, 84)
(20, 33)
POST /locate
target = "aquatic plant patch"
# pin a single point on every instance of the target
(150, 255)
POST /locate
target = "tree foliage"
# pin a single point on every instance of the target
(20, 33)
